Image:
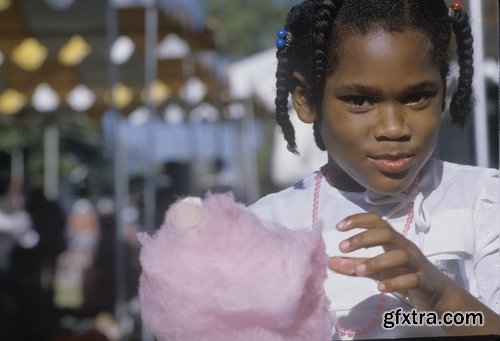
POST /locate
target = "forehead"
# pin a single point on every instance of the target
(387, 54)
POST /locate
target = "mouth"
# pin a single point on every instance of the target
(392, 163)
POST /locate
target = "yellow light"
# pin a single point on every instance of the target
(29, 55)
(74, 51)
(159, 92)
(5, 4)
(122, 96)
(11, 102)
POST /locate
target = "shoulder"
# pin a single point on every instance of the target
(453, 189)
(290, 207)
(469, 179)
(463, 196)
(456, 169)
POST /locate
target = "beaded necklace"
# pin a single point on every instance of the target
(380, 307)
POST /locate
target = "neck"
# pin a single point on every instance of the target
(338, 178)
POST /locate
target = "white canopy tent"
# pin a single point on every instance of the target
(254, 77)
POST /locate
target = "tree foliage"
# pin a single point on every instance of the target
(247, 26)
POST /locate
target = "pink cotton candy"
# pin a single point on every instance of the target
(230, 277)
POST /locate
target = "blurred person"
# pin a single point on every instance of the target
(19, 300)
(176, 184)
(219, 180)
(105, 262)
(75, 278)
(48, 220)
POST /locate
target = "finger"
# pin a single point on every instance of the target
(360, 220)
(368, 238)
(391, 263)
(345, 265)
(402, 283)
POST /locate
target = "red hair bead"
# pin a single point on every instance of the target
(457, 6)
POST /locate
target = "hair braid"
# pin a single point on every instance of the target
(283, 88)
(461, 101)
(310, 24)
(283, 75)
(322, 33)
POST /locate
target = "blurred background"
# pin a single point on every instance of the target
(110, 110)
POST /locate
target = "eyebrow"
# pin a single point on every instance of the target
(376, 92)
(425, 85)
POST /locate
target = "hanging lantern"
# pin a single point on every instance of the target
(158, 92)
(5, 4)
(193, 91)
(122, 96)
(235, 111)
(204, 112)
(173, 114)
(12, 101)
(139, 116)
(172, 47)
(44, 98)
(74, 51)
(81, 98)
(121, 50)
(29, 55)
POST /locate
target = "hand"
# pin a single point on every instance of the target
(401, 268)
(404, 269)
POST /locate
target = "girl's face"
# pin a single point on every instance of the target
(381, 111)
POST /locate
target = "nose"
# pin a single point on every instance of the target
(391, 124)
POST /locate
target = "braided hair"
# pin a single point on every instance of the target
(318, 27)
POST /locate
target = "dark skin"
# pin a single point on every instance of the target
(380, 120)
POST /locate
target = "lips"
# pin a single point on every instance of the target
(393, 163)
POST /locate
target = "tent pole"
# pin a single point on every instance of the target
(480, 112)
(119, 177)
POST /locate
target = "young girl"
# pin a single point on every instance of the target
(412, 239)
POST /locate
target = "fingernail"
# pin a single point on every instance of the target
(344, 246)
(341, 225)
(360, 268)
(381, 287)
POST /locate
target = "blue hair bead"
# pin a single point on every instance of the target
(284, 38)
(281, 33)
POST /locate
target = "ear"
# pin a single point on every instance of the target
(299, 98)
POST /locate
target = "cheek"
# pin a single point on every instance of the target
(343, 127)
(428, 129)
(341, 136)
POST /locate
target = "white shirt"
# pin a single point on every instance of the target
(456, 225)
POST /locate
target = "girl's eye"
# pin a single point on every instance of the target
(419, 100)
(357, 103)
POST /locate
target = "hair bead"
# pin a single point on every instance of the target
(456, 5)
(455, 9)
(284, 38)
(281, 33)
